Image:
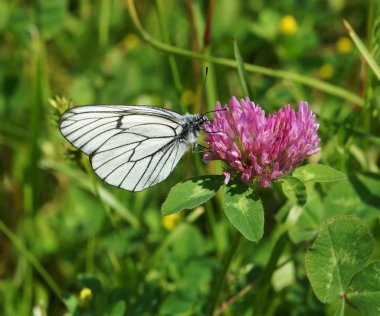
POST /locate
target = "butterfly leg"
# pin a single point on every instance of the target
(204, 148)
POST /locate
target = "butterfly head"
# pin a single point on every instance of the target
(195, 122)
(192, 127)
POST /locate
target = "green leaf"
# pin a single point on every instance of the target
(118, 309)
(87, 280)
(318, 173)
(365, 289)
(241, 71)
(189, 243)
(175, 304)
(306, 226)
(367, 186)
(244, 210)
(70, 301)
(359, 196)
(266, 25)
(342, 247)
(295, 190)
(341, 308)
(191, 193)
(51, 16)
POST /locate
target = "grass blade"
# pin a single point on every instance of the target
(363, 50)
(247, 91)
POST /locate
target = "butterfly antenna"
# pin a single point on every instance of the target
(204, 92)
(204, 97)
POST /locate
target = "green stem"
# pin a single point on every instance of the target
(165, 35)
(31, 258)
(219, 282)
(260, 300)
(244, 84)
(40, 92)
(210, 87)
(90, 254)
(370, 21)
(308, 81)
(215, 231)
(164, 245)
(106, 207)
(104, 22)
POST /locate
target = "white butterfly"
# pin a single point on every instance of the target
(131, 147)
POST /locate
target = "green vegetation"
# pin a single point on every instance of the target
(71, 244)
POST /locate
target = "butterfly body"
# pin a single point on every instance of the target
(131, 147)
(192, 125)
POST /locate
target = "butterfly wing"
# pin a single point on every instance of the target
(131, 147)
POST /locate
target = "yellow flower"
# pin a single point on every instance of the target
(344, 45)
(131, 41)
(85, 297)
(188, 97)
(288, 25)
(171, 221)
(326, 71)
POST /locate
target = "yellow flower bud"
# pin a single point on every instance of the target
(131, 41)
(344, 45)
(326, 71)
(188, 97)
(171, 221)
(85, 297)
(288, 25)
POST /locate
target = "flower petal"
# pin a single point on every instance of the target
(261, 149)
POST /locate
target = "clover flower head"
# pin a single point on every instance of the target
(261, 149)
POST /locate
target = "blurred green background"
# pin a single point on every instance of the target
(63, 229)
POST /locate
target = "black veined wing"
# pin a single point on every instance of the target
(131, 147)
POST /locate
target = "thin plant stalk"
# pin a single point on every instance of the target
(244, 84)
(104, 22)
(165, 35)
(363, 50)
(215, 229)
(31, 258)
(219, 281)
(261, 298)
(207, 33)
(41, 90)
